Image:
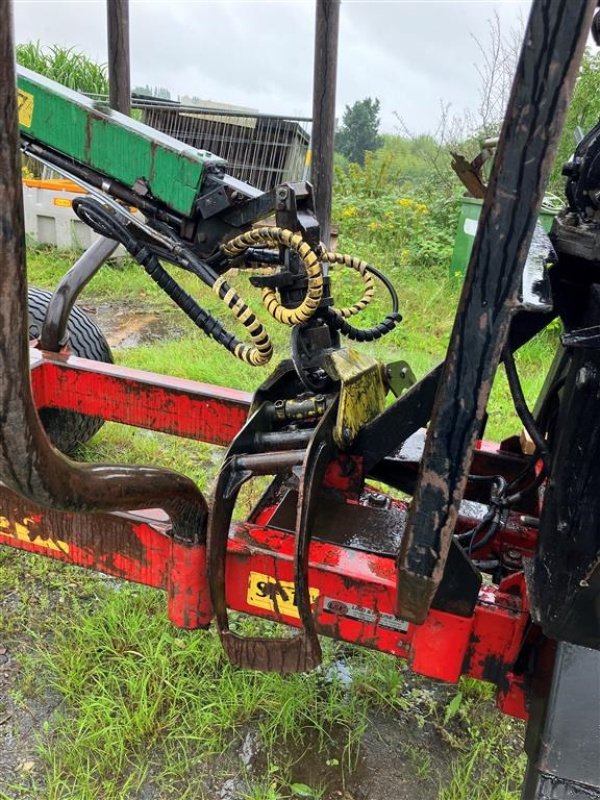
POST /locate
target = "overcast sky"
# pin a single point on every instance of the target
(259, 53)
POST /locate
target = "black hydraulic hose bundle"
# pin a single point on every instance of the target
(106, 224)
(523, 411)
(362, 335)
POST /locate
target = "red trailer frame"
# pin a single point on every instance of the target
(353, 590)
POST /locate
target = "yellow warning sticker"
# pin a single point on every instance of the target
(25, 102)
(62, 201)
(21, 532)
(266, 592)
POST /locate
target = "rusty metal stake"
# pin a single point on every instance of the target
(547, 69)
(28, 464)
(119, 72)
(327, 23)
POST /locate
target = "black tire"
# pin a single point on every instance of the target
(68, 429)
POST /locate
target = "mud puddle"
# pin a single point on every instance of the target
(127, 325)
(395, 759)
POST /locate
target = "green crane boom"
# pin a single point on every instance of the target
(110, 143)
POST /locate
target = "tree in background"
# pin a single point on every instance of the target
(496, 67)
(359, 131)
(65, 65)
(153, 91)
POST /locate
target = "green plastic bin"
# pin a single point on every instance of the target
(467, 228)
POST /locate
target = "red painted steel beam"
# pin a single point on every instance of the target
(355, 596)
(137, 547)
(197, 411)
(353, 591)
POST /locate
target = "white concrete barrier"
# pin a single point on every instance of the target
(50, 219)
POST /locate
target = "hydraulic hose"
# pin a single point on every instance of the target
(363, 270)
(337, 317)
(260, 351)
(382, 328)
(273, 237)
(106, 224)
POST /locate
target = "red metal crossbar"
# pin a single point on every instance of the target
(145, 400)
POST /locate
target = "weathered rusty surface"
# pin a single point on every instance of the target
(469, 172)
(377, 529)
(547, 69)
(285, 655)
(213, 414)
(327, 21)
(352, 590)
(137, 547)
(119, 73)
(28, 463)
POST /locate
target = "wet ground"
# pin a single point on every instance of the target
(397, 760)
(128, 325)
(385, 768)
(21, 720)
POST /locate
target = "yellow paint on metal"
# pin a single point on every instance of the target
(21, 532)
(64, 202)
(266, 592)
(25, 103)
(362, 394)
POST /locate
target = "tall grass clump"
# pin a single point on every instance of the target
(400, 223)
(64, 65)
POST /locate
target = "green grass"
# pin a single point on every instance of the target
(490, 762)
(428, 300)
(145, 704)
(65, 65)
(144, 699)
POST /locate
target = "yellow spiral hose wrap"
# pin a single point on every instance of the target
(362, 268)
(273, 237)
(260, 351)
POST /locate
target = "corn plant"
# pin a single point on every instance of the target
(65, 65)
